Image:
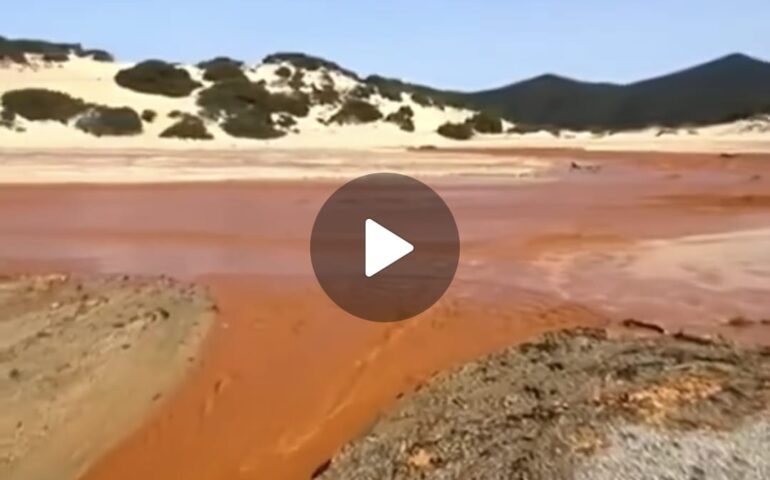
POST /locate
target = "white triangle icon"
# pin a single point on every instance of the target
(383, 247)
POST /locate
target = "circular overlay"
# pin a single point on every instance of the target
(366, 224)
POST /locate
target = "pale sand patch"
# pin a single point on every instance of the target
(739, 259)
(82, 361)
(125, 166)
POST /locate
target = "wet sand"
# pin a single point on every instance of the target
(287, 378)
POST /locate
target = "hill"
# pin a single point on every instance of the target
(727, 89)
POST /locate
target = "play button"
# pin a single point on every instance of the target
(384, 247)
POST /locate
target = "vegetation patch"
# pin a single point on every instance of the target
(17, 50)
(325, 96)
(219, 61)
(157, 78)
(56, 57)
(484, 122)
(222, 68)
(422, 99)
(403, 117)
(108, 121)
(390, 93)
(286, 121)
(307, 62)
(251, 124)
(362, 91)
(356, 111)
(456, 131)
(283, 71)
(236, 97)
(149, 115)
(297, 80)
(189, 127)
(41, 104)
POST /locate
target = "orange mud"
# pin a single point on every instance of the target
(287, 377)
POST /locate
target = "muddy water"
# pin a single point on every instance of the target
(287, 377)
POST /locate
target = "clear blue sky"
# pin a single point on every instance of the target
(446, 43)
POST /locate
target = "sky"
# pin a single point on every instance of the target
(466, 45)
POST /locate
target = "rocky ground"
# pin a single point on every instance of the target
(83, 360)
(578, 405)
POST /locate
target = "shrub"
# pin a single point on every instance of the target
(356, 111)
(175, 114)
(16, 50)
(100, 121)
(149, 116)
(297, 80)
(56, 57)
(189, 127)
(157, 78)
(98, 55)
(390, 92)
(307, 62)
(7, 115)
(41, 104)
(222, 68)
(286, 121)
(7, 118)
(223, 71)
(251, 125)
(326, 95)
(234, 97)
(219, 61)
(403, 117)
(456, 131)
(283, 71)
(421, 99)
(486, 123)
(361, 91)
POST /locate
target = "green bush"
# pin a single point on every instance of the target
(157, 78)
(41, 104)
(100, 121)
(219, 61)
(235, 97)
(189, 127)
(7, 118)
(484, 122)
(56, 57)
(98, 55)
(283, 71)
(456, 131)
(149, 116)
(356, 111)
(256, 125)
(222, 68)
(361, 91)
(403, 117)
(175, 114)
(325, 96)
(16, 50)
(421, 99)
(390, 92)
(286, 121)
(297, 80)
(307, 62)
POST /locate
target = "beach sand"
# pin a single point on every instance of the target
(287, 378)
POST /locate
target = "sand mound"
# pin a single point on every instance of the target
(574, 405)
(83, 360)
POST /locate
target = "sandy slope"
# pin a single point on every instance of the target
(82, 361)
(94, 81)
